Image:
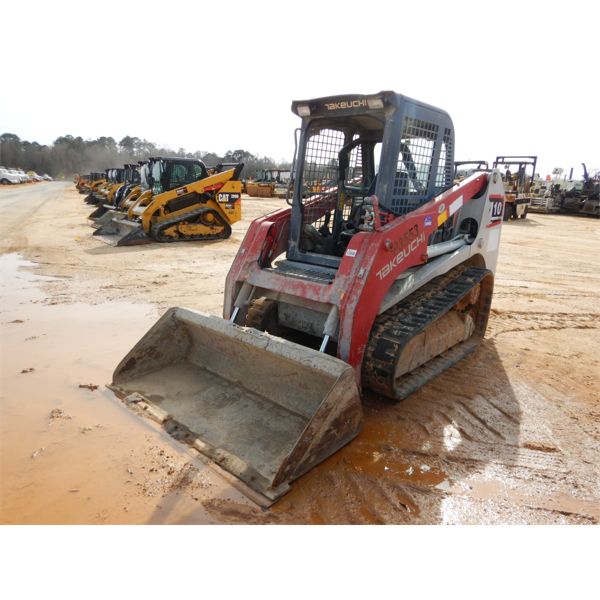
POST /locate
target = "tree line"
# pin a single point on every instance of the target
(69, 155)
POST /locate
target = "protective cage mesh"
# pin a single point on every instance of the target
(415, 162)
(321, 169)
(319, 181)
(444, 174)
(354, 175)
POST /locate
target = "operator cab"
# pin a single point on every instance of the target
(131, 178)
(144, 176)
(353, 148)
(115, 175)
(132, 174)
(166, 174)
(522, 175)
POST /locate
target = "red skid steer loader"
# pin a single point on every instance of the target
(378, 275)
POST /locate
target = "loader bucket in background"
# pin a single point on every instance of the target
(264, 409)
(122, 232)
(106, 218)
(98, 212)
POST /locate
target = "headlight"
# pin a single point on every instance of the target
(375, 103)
(303, 110)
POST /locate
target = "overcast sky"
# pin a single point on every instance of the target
(516, 77)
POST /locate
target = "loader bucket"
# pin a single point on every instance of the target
(264, 409)
(106, 218)
(98, 212)
(119, 231)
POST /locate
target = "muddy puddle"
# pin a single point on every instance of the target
(70, 452)
(509, 435)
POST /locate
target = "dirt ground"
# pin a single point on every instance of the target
(509, 435)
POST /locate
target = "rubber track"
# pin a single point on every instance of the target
(397, 326)
(157, 230)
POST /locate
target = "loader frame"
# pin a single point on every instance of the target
(418, 215)
(365, 282)
(386, 282)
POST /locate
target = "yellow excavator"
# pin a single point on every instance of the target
(180, 200)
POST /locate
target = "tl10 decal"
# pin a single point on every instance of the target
(497, 210)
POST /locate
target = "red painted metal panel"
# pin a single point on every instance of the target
(371, 264)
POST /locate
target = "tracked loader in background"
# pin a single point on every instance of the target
(91, 182)
(100, 193)
(380, 281)
(131, 182)
(133, 187)
(82, 183)
(184, 201)
(96, 190)
(98, 180)
(139, 195)
(118, 181)
(134, 194)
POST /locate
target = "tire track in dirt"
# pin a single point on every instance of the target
(462, 434)
(414, 455)
(502, 322)
(411, 454)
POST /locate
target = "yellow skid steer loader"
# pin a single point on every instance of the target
(115, 200)
(183, 202)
